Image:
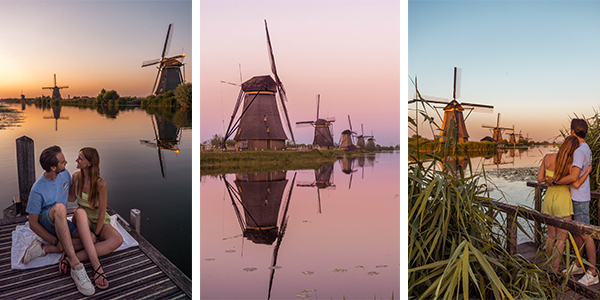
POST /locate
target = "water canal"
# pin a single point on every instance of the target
(138, 173)
(322, 234)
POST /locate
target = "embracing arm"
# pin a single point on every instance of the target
(102, 204)
(581, 179)
(34, 224)
(72, 190)
(572, 177)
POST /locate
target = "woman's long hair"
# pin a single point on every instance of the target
(564, 160)
(92, 156)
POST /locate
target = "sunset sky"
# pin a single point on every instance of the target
(346, 51)
(536, 62)
(89, 45)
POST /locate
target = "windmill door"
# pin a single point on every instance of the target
(268, 144)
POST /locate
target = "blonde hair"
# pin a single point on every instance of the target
(93, 157)
(564, 159)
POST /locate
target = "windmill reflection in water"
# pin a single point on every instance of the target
(56, 109)
(167, 137)
(350, 165)
(261, 208)
(323, 180)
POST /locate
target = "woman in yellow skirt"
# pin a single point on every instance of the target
(557, 201)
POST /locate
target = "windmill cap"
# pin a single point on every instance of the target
(257, 83)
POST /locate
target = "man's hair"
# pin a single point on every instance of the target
(580, 127)
(48, 158)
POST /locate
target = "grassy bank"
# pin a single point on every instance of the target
(213, 163)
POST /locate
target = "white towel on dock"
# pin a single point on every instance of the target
(22, 236)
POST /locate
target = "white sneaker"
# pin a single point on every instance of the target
(588, 279)
(574, 269)
(82, 281)
(33, 250)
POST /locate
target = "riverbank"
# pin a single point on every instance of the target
(214, 163)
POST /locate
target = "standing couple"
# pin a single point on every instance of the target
(568, 196)
(90, 234)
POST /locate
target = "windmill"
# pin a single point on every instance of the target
(259, 125)
(323, 136)
(22, 96)
(371, 139)
(56, 116)
(497, 130)
(169, 68)
(453, 111)
(55, 89)
(346, 141)
(360, 140)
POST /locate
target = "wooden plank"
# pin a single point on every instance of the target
(182, 281)
(132, 274)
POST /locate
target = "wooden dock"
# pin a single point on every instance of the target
(135, 273)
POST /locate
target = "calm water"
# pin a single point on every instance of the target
(138, 174)
(341, 237)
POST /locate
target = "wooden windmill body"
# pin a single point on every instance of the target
(454, 118)
(55, 89)
(346, 140)
(259, 126)
(169, 75)
(323, 137)
(497, 130)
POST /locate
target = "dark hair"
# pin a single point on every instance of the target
(580, 127)
(48, 158)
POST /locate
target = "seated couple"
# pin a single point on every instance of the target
(90, 234)
(568, 196)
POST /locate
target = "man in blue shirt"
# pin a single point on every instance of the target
(47, 209)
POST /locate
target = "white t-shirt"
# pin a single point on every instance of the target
(581, 159)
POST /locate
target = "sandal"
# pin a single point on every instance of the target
(98, 275)
(64, 262)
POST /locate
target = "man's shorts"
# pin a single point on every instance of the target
(47, 223)
(581, 211)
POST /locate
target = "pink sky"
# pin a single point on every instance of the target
(346, 51)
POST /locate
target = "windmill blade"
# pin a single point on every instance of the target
(235, 109)
(318, 102)
(271, 57)
(283, 99)
(63, 87)
(155, 81)
(362, 132)
(151, 62)
(476, 105)
(54, 79)
(431, 99)
(305, 122)
(349, 123)
(167, 41)
(457, 80)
